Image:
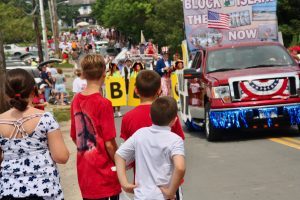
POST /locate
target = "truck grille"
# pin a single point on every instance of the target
(263, 87)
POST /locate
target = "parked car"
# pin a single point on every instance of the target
(240, 86)
(108, 51)
(32, 70)
(14, 49)
(102, 43)
(15, 63)
(52, 60)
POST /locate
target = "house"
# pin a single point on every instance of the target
(85, 10)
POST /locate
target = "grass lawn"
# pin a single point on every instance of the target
(61, 114)
(64, 65)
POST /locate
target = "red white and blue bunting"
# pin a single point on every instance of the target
(264, 89)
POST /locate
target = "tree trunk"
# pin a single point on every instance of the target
(37, 33)
(2, 55)
(3, 101)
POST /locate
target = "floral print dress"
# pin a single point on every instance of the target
(27, 168)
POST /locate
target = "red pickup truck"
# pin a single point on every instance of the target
(240, 86)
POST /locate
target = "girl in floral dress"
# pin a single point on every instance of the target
(31, 143)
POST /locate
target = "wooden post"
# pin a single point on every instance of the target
(37, 33)
(55, 27)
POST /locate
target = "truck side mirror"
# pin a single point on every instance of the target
(191, 74)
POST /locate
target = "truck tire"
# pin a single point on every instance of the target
(212, 134)
(191, 126)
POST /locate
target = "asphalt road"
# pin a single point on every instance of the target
(262, 165)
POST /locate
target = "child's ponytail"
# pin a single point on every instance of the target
(19, 85)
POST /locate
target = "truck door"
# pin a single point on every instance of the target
(195, 90)
(195, 85)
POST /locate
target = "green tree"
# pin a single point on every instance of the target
(166, 24)
(98, 9)
(128, 16)
(159, 20)
(17, 26)
(289, 21)
(67, 13)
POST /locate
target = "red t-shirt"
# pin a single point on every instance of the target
(92, 124)
(65, 56)
(39, 100)
(139, 117)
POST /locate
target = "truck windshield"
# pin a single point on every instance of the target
(248, 57)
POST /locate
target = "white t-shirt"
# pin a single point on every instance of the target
(79, 85)
(152, 148)
(53, 71)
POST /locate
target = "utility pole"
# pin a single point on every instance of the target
(55, 27)
(51, 14)
(37, 33)
(46, 56)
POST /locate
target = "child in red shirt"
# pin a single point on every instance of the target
(93, 131)
(148, 88)
(39, 100)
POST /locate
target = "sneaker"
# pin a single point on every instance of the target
(119, 114)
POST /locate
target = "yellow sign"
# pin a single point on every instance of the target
(175, 86)
(185, 54)
(116, 91)
(133, 99)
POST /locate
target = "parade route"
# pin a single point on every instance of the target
(248, 165)
(291, 142)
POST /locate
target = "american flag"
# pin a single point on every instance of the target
(218, 20)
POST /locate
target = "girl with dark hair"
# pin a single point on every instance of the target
(136, 68)
(4, 106)
(31, 142)
(39, 100)
(114, 72)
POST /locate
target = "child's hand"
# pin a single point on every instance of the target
(167, 193)
(129, 187)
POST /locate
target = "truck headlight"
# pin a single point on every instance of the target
(221, 92)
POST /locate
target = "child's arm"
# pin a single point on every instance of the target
(73, 128)
(178, 174)
(41, 104)
(58, 149)
(125, 155)
(121, 171)
(111, 148)
(1, 156)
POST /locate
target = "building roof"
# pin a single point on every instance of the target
(81, 2)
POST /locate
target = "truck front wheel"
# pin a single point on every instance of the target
(212, 134)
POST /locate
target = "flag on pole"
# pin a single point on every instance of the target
(218, 20)
(143, 41)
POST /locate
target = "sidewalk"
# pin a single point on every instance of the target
(68, 171)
